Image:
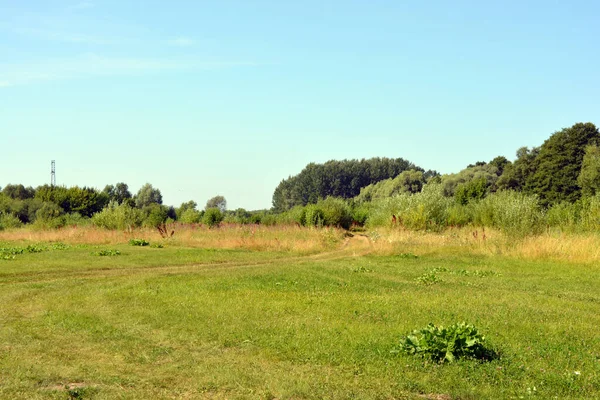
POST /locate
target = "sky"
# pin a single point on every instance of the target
(204, 98)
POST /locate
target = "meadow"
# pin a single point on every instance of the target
(247, 312)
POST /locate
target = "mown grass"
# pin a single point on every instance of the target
(190, 322)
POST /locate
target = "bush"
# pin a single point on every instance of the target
(116, 216)
(427, 210)
(590, 213)
(335, 212)
(448, 344)
(156, 215)
(313, 216)
(516, 214)
(565, 215)
(9, 221)
(212, 217)
(190, 216)
(139, 242)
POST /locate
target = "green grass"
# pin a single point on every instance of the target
(199, 323)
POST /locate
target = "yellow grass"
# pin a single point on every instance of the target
(551, 245)
(251, 237)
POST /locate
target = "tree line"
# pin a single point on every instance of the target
(557, 183)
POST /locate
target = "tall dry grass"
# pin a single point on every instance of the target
(567, 247)
(549, 246)
(229, 236)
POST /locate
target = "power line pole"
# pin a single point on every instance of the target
(53, 174)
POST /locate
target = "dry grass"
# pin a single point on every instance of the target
(548, 246)
(251, 237)
(551, 245)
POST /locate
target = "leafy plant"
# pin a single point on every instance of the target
(448, 344)
(139, 242)
(428, 278)
(109, 253)
(212, 217)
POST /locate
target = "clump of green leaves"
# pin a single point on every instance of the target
(59, 246)
(34, 249)
(428, 278)
(448, 344)
(139, 242)
(105, 253)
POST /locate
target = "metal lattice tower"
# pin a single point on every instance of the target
(53, 173)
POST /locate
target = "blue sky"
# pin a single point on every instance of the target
(202, 98)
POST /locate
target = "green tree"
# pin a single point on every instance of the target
(147, 195)
(189, 205)
(119, 192)
(515, 175)
(212, 217)
(558, 164)
(217, 202)
(18, 192)
(589, 176)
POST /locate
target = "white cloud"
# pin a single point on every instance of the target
(92, 65)
(181, 41)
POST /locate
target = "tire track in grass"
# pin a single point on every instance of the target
(351, 248)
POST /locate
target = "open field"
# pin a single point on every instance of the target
(280, 313)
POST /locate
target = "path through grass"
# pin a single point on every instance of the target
(182, 322)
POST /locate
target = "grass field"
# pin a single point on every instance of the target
(290, 313)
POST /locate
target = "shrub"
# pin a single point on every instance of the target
(139, 242)
(590, 213)
(335, 212)
(212, 217)
(313, 216)
(427, 210)
(565, 215)
(156, 215)
(9, 221)
(190, 216)
(116, 216)
(448, 344)
(514, 213)
(107, 253)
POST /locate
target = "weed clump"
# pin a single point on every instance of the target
(448, 344)
(107, 253)
(139, 242)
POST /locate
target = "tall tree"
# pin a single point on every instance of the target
(217, 202)
(147, 195)
(559, 163)
(119, 192)
(335, 178)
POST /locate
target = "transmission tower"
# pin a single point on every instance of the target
(53, 173)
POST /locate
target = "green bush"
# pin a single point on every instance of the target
(335, 212)
(516, 214)
(590, 213)
(119, 216)
(139, 242)
(190, 216)
(212, 217)
(156, 215)
(9, 221)
(448, 344)
(427, 210)
(565, 215)
(313, 216)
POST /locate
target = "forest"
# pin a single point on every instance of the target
(555, 185)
